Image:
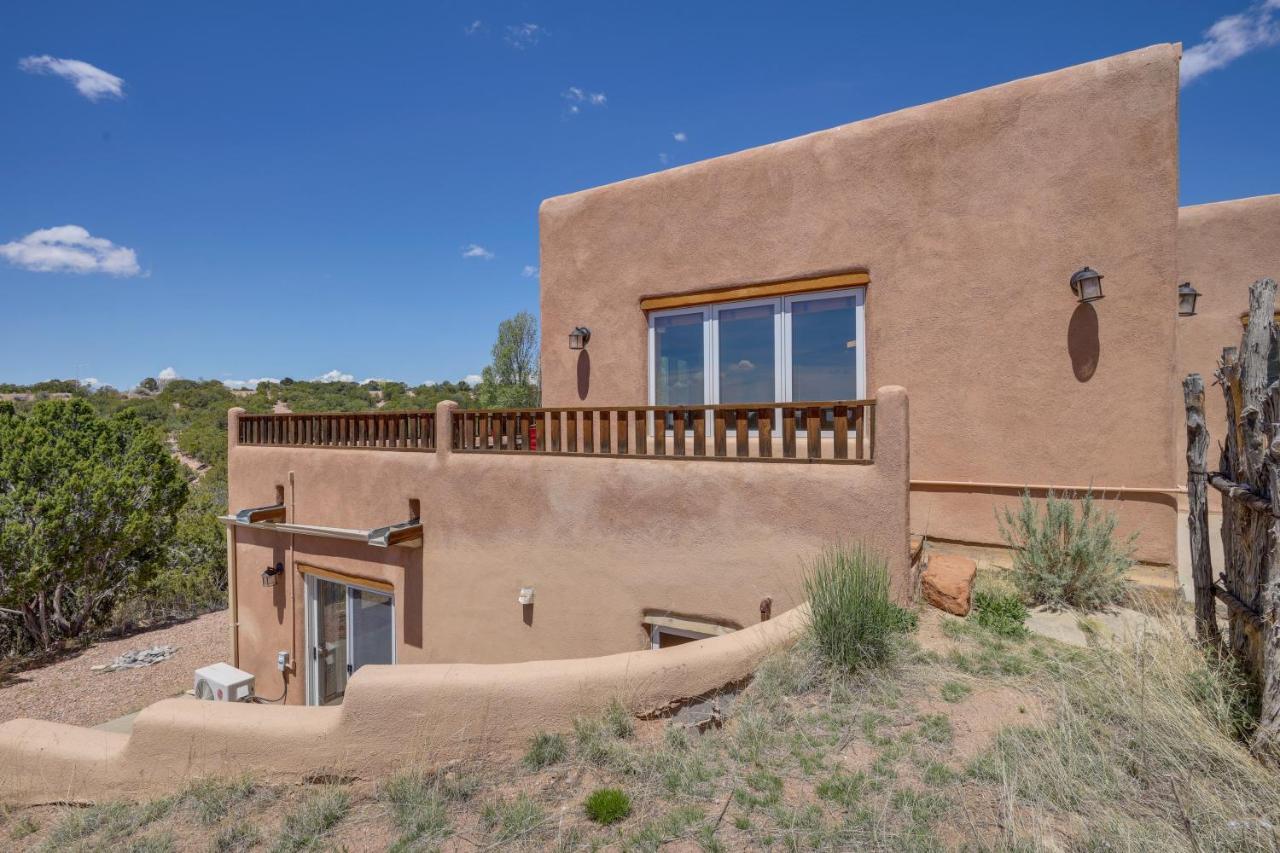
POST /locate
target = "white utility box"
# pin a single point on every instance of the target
(222, 682)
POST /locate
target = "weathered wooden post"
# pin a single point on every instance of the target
(1198, 511)
(1248, 477)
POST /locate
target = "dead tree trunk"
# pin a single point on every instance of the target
(1249, 480)
(1198, 511)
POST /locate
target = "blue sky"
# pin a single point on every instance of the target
(371, 173)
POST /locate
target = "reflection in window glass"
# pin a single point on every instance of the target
(746, 363)
(677, 358)
(824, 357)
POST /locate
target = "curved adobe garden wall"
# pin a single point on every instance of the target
(393, 716)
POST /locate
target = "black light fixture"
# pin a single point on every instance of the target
(579, 337)
(270, 573)
(1187, 296)
(1086, 284)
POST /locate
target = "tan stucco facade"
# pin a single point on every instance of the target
(602, 541)
(970, 215)
(1222, 249)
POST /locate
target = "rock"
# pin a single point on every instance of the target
(947, 582)
(137, 659)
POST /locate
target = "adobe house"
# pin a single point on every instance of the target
(728, 350)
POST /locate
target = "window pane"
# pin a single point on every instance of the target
(823, 355)
(373, 633)
(746, 354)
(677, 357)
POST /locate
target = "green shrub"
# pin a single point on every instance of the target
(608, 805)
(1065, 558)
(544, 750)
(852, 620)
(1000, 613)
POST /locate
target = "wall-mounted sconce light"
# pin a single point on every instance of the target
(1086, 284)
(1187, 296)
(579, 337)
(270, 573)
(526, 595)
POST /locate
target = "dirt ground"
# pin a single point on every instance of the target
(69, 691)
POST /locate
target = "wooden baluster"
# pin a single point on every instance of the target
(721, 437)
(813, 432)
(871, 431)
(677, 431)
(526, 431)
(606, 433)
(840, 448)
(642, 431)
(624, 432)
(659, 432)
(588, 431)
(699, 431)
(431, 431)
(764, 432)
(553, 436)
(742, 435)
(788, 432)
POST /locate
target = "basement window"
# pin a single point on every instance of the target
(668, 631)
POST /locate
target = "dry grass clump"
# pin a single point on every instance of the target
(853, 622)
(1143, 752)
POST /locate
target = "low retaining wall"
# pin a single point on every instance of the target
(393, 716)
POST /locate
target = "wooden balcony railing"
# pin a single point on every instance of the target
(833, 431)
(380, 430)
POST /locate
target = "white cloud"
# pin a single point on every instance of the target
(1230, 38)
(89, 80)
(664, 158)
(475, 250)
(335, 376)
(90, 382)
(70, 248)
(680, 136)
(167, 374)
(577, 97)
(378, 379)
(521, 36)
(473, 27)
(473, 379)
(530, 271)
(236, 384)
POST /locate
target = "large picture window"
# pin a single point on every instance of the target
(806, 347)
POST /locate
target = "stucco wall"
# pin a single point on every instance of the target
(1222, 249)
(393, 717)
(601, 540)
(970, 215)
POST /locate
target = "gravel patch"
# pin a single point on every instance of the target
(70, 691)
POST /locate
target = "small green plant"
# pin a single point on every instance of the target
(619, 720)
(417, 807)
(24, 826)
(955, 691)
(1065, 558)
(509, 820)
(608, 805)
(1000, 613)
(936, 728)
(545, 749)
(236, 838)
(212, 799)
(307, 825)
(843, 788)
(853, 623)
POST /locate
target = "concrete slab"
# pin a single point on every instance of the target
(1077, 629)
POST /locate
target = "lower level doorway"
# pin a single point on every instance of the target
(348, 625)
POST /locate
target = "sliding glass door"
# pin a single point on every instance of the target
(348, 626)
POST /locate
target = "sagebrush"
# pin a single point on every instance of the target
(1067, 554)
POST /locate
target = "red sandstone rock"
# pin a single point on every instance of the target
(948, 582)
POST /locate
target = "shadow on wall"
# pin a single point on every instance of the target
(584, 374)
(1082, 342)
